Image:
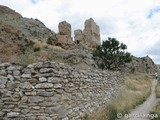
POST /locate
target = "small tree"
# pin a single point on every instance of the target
(111, 54)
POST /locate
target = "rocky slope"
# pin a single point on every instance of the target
(30, 28)
(141, 65)
(32, 40)
(17, 33)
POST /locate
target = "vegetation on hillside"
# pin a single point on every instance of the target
(137, 89)
(158, 90)
(111, 54)
(156, 109)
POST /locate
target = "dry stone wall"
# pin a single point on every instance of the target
(53, 91)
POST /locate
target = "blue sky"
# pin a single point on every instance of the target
(34, 1)
(133, 22)
(153, 11)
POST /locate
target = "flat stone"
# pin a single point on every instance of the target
(50, 110)
(61, 112)
(45, 94)
(30, 93)
(30, 117)
(3, 80)
(66, 118)
(30, 66)
(5, 64)
(2, 114)
(16, 73)
(24, 99)
(12, 84)
(57, 86)
(33, 80)
(13, 68)
(39, 75)
(3, 72)
(26, 75)
(38, 65)
(12, 114)
(25, 85)
(29, 71)
(45, 70)
(36, 107)
(44, 118)
(42, 79)
(2, 86)
(47, 104)
(54, 98)
(35, 99)
(44, 85)
(54, 79)
(25, 111)
(65, 81)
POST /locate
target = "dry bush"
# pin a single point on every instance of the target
(40, 44)
(26, 58)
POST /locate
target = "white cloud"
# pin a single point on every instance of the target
(126, 20)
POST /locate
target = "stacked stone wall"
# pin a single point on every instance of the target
(53, 91)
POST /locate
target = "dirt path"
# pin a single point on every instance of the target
(142, 111)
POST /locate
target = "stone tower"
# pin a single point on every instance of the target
(64, 36)
(90, 36)
(64, 28)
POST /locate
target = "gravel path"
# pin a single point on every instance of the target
(142, 111)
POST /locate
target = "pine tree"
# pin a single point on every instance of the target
(111, 54)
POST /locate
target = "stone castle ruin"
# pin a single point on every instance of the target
(89, 37)
(64, 35)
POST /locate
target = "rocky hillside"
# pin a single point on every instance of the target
(24, 41)
(33, 41)
(30, 28)
(17, 33)
(141, 65)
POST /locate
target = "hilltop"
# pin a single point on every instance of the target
(24, 40)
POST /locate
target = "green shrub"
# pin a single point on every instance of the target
(111, 54)
(49, 41)
(36, 49)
